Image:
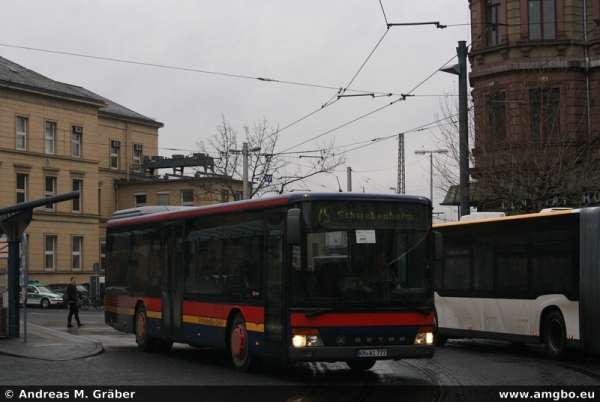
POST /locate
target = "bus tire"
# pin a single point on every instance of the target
(356, 365)
(141, 330)
(555, 335)
(239, 347)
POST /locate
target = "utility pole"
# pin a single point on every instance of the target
(463, 125)
(460, 69)
(349, 186)
(245, 152)
(435, 151)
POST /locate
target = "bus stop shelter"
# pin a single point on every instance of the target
(13, 222)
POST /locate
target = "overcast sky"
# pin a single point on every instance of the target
(187, 63)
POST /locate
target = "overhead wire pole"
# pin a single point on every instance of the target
(401, 184)
(462, 53)
(460, 69)
(400, 187)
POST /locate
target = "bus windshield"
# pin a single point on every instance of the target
(362, 254)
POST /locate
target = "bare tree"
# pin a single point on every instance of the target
(528, 161)
(284, 169)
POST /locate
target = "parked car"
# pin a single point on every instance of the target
(60, 288)
(39, 295)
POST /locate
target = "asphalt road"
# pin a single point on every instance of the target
(466, 363)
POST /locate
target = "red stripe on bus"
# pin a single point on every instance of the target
(214, 310)
(235, 206)
(361, 320)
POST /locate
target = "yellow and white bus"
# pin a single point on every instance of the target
(524, 279)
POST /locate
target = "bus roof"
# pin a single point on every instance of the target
(510, 217)
(151, 213)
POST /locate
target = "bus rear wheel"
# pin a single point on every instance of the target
(239, 347)
(141, 330)
(555, 335)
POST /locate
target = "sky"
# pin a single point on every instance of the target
(188, 64)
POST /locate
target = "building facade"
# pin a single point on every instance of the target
(57, 138)
(535, 79)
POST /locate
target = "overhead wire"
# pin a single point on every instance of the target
(340, 90)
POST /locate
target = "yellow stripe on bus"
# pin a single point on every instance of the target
(190, 319)
(256, 327)
(221, 323)
(213, 322)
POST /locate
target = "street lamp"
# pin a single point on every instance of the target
(435, 151)
(244, 152)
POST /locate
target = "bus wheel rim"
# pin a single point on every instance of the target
(141, 326)
(238, 341)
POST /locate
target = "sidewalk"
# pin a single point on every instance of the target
(49, 344)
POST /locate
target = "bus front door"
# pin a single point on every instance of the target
(274, 323)
(172, 287)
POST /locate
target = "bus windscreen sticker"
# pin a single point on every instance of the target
(365, 236)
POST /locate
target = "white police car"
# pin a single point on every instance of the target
(39, 295)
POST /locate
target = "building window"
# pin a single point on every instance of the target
(50, 252)
(114, 154)
(545, 114)
(50, 190)
(76, 141)
(496, 112)
(139, 199)
(224, 195)
(187, 197)
(21, 187)
(162, 198)
(50, 137)
(76, 252)
(102, 254)
(137, 158)
(22, 133)
(542, 19)
(493, 16)
(77, 186)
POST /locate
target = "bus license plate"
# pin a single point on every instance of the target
(371, 352)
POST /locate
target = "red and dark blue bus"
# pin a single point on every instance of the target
(289, 277)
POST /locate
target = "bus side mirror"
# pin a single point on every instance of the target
(438, 246)
(293, 226)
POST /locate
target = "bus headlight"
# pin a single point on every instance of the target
(299, 341)
(306, 337)
(424, 338)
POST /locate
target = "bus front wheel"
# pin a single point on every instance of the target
(239, 347)
(555, 335)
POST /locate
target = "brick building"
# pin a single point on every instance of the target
(535, 79)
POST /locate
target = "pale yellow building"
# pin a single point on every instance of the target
(56, 138)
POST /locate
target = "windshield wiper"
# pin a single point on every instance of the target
(315, 313)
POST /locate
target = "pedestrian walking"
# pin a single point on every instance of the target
(72, 301)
